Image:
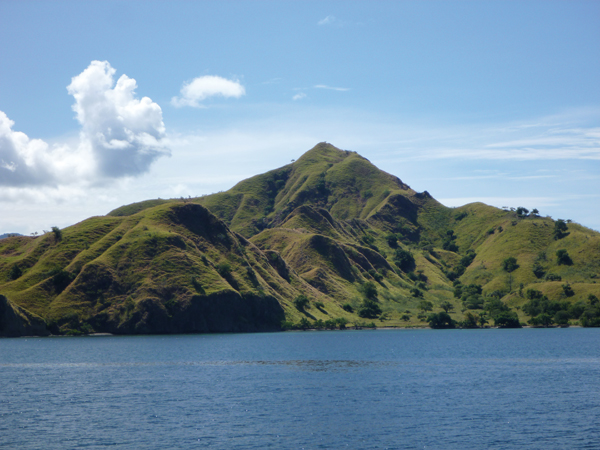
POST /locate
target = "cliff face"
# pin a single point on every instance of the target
(321, 228)
(15, 321)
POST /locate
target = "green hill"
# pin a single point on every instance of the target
(327, 240)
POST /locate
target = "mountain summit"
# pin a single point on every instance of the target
(328, 239)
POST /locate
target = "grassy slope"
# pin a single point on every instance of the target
(316, 227)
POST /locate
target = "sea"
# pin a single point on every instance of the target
(358, 389)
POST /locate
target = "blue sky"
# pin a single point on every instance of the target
(107, 103)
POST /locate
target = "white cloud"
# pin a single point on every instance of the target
(323, 86)
(120, 136)
(332, 21)
(124, 134)
(299, 96)
(30, 162)
(201, 88)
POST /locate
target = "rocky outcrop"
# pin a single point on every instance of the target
(16, 321)
(220, 312)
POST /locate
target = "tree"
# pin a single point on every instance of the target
(521, 211)
(561, 317)
(224, 269)
(404, 260)
(392, 240)
(369, 309)
(57, 233)
(495, 306)
(368, 290)
(563, 258)
(304, 324)
(568, 290)
(447, 306)
(535, 211)
(510, 265)
(507, 319)
(542, 319)
(449, 242)
(301, 302)
(425, 305)
(15, 272)
(560, 226)
(441, 320)
(416, 292)
(341, 323)
(483, 320)
(470, 321)
(538, 270)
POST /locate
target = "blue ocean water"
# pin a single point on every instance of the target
(441, 389)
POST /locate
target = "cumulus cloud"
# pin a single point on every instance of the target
(124, 134)
(120, 136)
(30, 162)
(299, 96)
(201, 88)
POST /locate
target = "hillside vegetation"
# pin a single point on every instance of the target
(327, 241)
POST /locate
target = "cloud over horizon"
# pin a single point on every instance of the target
(201, 88)
(120, 136)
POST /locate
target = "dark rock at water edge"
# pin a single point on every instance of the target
(16, 321)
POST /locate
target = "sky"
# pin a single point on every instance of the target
(108, 103)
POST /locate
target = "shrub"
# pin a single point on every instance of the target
(563, 258)
(304, 324)
(421, 285)
(330, 324)
(61, 280)
(341, 322)
(404, 260)
(368, 290)
(470, 321)
(538, 270)
(560, 227)
(510, 264)
(376, 275)
(392, 240)
(369, 309)
(416, 293)
(543, 319)
(319, 324)
(57, 233)
(425, 305)
(561, 317)
(568, 290)
(473, 302)
(552, 277)
(224, 269)
(447, 306)
(197, 285)
(507, 319)
(15, 272)
(450, 246)
(441, 320)
(301, 302)
(348, 307)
